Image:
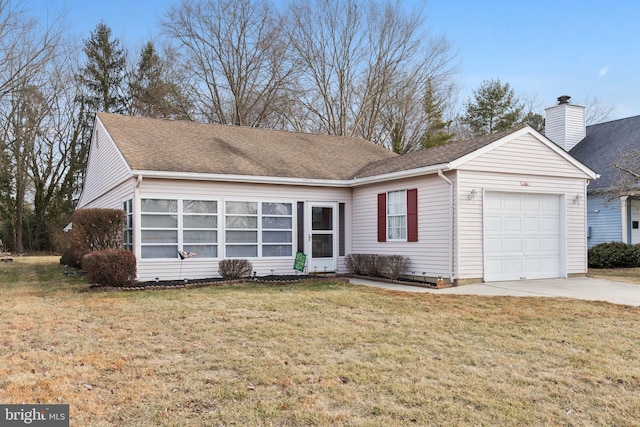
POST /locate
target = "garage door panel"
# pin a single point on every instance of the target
(551, 245)
(531, 224)
(533, 245)
(522, 236)
(493, 246)
(493, 223)
(511, 204)
(531, 204)
(512, 224)
(550, 225)
(512, 246)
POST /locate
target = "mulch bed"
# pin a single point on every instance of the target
(198, 283)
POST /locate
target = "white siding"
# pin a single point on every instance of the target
(470, 232)
(564, 125)
(430, 255)
(525, 155)
(194, 268)
(114, 198)
(106, 167)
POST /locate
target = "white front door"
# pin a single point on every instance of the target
(321, 239)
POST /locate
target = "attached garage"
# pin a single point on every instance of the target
(522, 236)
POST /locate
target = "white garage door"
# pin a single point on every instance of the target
(521, 236)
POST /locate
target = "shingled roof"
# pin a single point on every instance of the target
(431, 156)
(603, 145)
(181, 146)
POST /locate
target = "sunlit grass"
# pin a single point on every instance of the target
(323, 353)
(628, 275)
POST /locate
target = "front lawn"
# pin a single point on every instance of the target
(324, 353)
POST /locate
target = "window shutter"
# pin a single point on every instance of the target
(412, 215)
(382, 217)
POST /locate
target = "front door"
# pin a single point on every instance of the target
(321, 240)
(634, 222)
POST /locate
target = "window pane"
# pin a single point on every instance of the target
(159, 251)
(322, 218)
(276, 250)
(158, 205)
(276, 208)
(199, 206)
(209, 236)
(322, 246)
(159, 236)
(277, 222)
(203, 251)
(242, 251)
(200, 221)
(242, 236)
(159, 221)
(276, 236)
(242, 222)
(248, 208)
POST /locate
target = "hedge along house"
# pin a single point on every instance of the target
(501, 207)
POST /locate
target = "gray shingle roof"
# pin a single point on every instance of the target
(602, 146)
(181, 146)
(431, 156)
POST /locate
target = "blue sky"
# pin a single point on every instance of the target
(543, 48)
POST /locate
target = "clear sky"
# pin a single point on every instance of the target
(543, 48)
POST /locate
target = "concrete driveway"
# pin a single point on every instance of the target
(584, 288)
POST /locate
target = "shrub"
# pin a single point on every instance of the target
(394, 266)
(364, 264)
(355, 263)
(110, 267)
(233, 269)
(97, 229)
(614, 255)
(72, 257)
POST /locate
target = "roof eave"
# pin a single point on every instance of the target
(409, 173)
(249, 179)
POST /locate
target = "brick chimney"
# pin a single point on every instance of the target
(564, 123)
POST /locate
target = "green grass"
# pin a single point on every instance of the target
(324, 353)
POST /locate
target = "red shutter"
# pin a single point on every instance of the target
(382, 217)
(412, 215)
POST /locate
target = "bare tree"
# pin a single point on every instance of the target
(235, 57)
(25, 46)
(626, 178)
(363, 63)
(25, 50)
(595, 111)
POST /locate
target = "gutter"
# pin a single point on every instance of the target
(314, 182)
(450, 223)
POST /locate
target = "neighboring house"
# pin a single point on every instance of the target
(598, 147)
(505, 206)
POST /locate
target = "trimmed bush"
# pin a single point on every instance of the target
(110, 267)
(233, 269)
(394, 266)
(96, 230)
(355, 263)
(373, 265)
(614, 255)
(72, 257)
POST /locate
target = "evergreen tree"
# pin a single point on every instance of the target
(152, 94)
(494, 108)
(437, 129)
(104, 73)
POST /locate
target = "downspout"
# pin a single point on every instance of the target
(451, 207)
